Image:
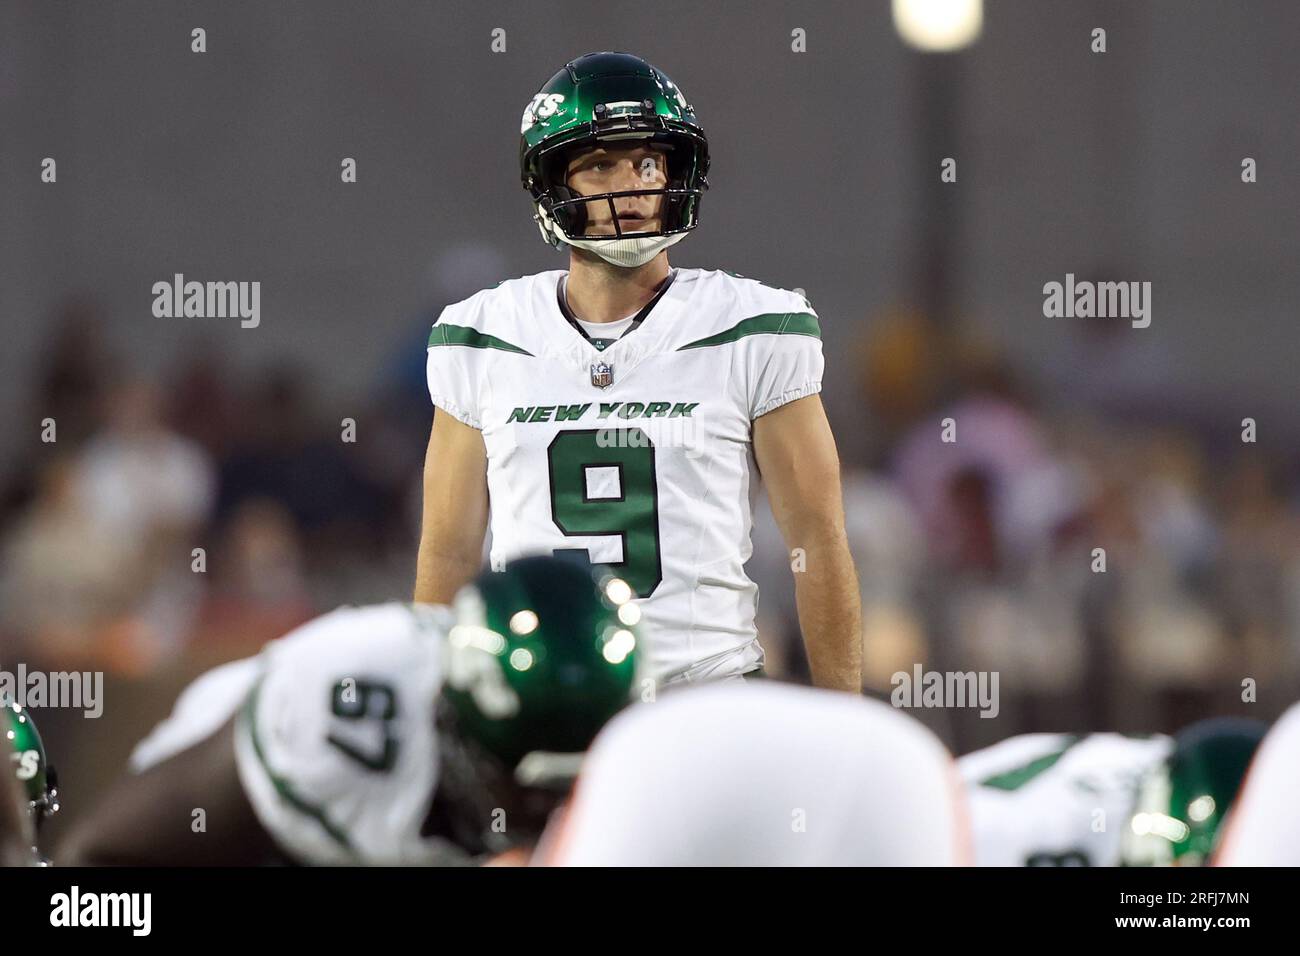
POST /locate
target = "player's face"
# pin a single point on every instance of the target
(616, 168)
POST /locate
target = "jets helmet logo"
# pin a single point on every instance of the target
(602, 375)
(542, 106)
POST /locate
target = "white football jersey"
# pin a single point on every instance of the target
(200, 711)
(762, 774)
(1056, 799)
(639, 453)
(335, 736)
(1262, 828)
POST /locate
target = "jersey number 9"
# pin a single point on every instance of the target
(603, 483)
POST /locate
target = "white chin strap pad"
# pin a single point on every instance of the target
(628, 253)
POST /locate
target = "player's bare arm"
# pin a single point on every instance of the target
(800, 466)
(148, 819)
(455, 510)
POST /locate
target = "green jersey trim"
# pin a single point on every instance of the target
(1014, 779)
(769, 323)
(282, 786)
(463, 335)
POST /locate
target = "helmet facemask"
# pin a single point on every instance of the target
(1152, 832)
(481, 805)
(562, 213)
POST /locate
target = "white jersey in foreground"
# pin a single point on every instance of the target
(335, 737)
(1263, 828)
(762, 774)
(1056, 799)
(640, 452)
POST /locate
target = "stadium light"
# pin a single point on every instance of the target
(938, 26)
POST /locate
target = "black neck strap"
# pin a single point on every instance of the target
(636, 319)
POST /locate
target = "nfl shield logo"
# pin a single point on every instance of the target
(602, 375)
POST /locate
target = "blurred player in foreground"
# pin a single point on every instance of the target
(762, 774)
(1264, 829)
(392, 734)
(27, 791)
(1107, 799)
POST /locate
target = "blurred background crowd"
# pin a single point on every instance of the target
(1072, 434)
(979, 554)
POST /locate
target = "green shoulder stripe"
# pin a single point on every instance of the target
(770, 323)
(463, 335)
(282, 786)
(1014, 779)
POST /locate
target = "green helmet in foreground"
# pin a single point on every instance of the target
(604, 98)
(1182, 803)
(30, 765)
(542, 655)
(35, 779)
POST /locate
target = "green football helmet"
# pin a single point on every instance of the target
(595, 100)
(31, 767)
(1182, 802)
(37, 782)
(542, 655)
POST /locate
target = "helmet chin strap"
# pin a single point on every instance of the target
(627, 253)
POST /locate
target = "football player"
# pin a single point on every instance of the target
(1107, 799)
(1263, 828)
(383, 735)
(28, 795)
(762, 774)
(627, 409)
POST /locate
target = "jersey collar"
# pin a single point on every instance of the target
(573, 348)
(603, 345)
